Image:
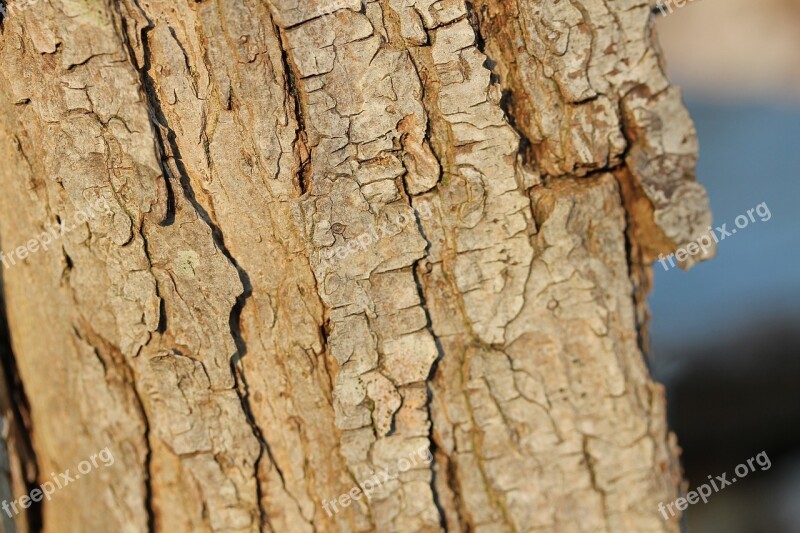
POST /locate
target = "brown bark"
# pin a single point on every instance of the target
(242, 375)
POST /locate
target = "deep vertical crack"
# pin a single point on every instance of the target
(302, 152)
(16, 409)
(167, 148)
(423, 302)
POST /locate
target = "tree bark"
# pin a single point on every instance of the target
(338, 233)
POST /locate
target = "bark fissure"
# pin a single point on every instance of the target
(302, 152)
(18, 425)
(440, 349)
(166, 137)
(525, 149)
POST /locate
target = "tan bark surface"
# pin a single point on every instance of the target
(242, 372)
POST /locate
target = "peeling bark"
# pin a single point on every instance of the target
(338, 233)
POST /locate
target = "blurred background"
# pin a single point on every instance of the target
(726, 334)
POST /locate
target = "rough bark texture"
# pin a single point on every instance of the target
(240, 376)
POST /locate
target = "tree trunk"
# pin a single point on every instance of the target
(305, 241)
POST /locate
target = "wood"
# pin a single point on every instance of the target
(498, 177)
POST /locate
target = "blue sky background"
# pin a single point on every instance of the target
(748, 155)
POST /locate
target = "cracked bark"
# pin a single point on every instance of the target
(243, 373)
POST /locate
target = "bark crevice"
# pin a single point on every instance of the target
(166, 138)
(18, 430)
(302, 151)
